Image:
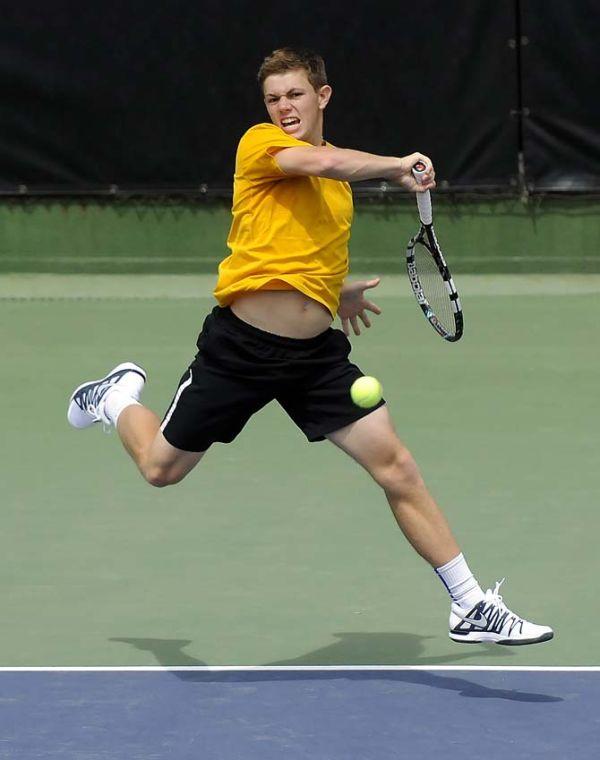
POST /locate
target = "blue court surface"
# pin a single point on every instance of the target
(299, 713)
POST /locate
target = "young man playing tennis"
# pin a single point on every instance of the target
(270, 337)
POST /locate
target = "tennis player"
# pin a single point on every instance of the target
(270, 336)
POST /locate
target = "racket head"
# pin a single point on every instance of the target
(433, 286)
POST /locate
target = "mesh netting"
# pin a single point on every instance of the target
(434, 287)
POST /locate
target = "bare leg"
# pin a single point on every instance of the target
(159, 463)
(137, 428)
(373, 443)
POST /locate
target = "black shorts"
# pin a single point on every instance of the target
(239, 368)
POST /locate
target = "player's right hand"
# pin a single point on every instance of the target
(404, 176)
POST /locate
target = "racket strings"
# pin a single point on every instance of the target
(434, 287)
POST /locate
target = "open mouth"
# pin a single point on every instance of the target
(290, 122)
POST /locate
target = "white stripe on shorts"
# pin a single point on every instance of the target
(180, 390)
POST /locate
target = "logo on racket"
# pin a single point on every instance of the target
(414, 281)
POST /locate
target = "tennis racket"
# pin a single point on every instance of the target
(429, 275)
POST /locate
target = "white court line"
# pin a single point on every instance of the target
(296, 668)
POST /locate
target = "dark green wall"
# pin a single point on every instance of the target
(545, 235)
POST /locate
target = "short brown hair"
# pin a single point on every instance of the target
(288, 58)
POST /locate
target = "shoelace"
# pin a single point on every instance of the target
(504, 615)
(496, 597)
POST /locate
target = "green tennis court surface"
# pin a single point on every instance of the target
(275, 551)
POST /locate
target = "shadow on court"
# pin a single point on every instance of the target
(349, 649)
(168, 653)
(389, 649)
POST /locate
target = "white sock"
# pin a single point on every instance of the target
(115, 402)
(460, 583)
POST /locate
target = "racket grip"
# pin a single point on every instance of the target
(423, 199)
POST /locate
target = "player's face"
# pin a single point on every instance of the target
(294, 106)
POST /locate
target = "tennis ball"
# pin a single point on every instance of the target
(366, 391)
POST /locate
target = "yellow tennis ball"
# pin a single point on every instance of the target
(366, 391)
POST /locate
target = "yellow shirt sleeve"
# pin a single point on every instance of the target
(257, 150)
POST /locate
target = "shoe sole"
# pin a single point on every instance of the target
(124, 366)
(494, 638)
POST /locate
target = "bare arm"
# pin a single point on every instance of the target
(354, 165)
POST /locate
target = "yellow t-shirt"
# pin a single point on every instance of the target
(287, 232)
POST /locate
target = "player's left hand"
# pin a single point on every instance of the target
(354, 305)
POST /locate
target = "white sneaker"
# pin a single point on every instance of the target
(86, 405)
(492, 621)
